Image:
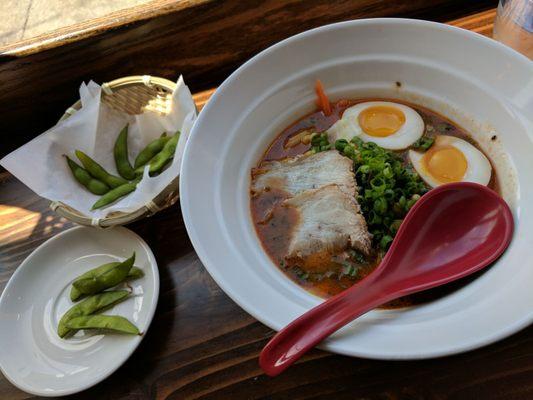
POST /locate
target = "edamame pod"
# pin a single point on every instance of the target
(120, 151)
(150, 151)
(75, 294)
(112, 323)
(98, 172)
(90, 306)
(164, 156)
(82, 176)
(115, 194)
(105, 280)
(135, 273)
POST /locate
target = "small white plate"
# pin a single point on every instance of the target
(33, 357)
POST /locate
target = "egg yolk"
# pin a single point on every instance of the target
(446, 164)
(381, 121)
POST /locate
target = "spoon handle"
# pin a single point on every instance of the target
(293, 341)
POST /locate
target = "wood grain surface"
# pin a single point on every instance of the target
(201, 345)
(202, 39)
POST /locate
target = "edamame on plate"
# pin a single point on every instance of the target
(52, 323)
(93, 284)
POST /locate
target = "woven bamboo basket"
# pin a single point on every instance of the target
(132, 95)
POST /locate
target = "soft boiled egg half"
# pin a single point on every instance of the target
(451, 159)
(390, 125)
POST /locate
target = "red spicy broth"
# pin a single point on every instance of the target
(274, 229)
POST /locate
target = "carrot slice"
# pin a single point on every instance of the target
(322, 99)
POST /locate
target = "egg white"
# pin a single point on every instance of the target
(478, 168)
(348, 126)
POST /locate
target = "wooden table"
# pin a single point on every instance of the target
(202, 345)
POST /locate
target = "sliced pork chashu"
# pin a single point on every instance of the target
(297, 174)
(329, 221)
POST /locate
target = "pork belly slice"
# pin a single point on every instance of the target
(329, 221)
(297, 174)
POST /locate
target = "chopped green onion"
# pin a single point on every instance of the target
(340, 144)
(424, 143)
(300, 273)
(357, 257)
(348, 269)
(385, 241)
(349, 151)
(396, 225)
(320, 142)
(380, 205)
(388, 187)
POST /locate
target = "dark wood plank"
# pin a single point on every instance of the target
(203, 40)
(201, 345)
(481, 22)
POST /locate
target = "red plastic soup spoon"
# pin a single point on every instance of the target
(452, 231)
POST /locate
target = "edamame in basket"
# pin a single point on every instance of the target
(93, 177)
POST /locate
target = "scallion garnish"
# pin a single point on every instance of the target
(424, 143)
(387, 187)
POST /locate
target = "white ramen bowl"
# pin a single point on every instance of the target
(478, 83)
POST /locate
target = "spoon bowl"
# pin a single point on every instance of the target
(451, 232)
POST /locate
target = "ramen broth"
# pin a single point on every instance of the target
(274, 230)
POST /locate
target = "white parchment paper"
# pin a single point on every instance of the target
(93, 129)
